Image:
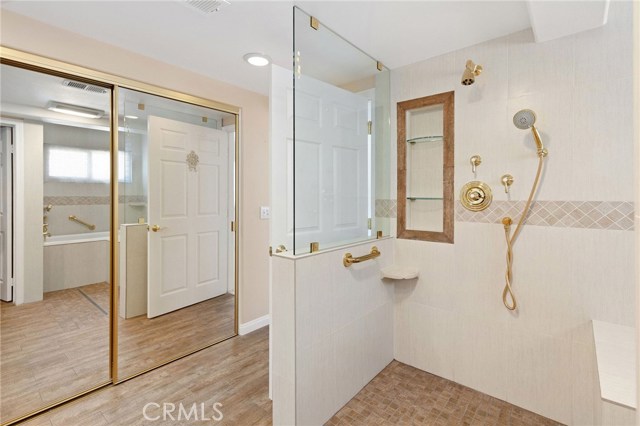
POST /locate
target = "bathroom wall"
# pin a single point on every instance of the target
(29, 35)
(28, 214)
(574, 263)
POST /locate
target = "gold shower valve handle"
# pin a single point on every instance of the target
(476, 196)
(475, 161)
(507, 181)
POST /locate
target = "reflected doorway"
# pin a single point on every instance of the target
(177, 242)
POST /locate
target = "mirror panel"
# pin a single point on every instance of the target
(425, 168)
(55, 211)
(177, 250)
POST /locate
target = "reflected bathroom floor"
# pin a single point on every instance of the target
(144, 342)
(404, 395)
(234, 373)
(52, 349)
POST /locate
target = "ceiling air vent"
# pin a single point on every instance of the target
(206, 6)
(84, 86)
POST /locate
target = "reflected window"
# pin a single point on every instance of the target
(84, 165)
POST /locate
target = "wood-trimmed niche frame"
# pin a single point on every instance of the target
(447, 100)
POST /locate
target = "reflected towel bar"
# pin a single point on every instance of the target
(82, 222)
(349, 260)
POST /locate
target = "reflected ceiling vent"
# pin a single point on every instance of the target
(84, 86)
(206, 7)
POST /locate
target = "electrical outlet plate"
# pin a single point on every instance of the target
(265, 212)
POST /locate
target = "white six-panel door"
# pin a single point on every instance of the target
(331, 171)
(188, 203)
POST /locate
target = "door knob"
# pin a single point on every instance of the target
(155, 228)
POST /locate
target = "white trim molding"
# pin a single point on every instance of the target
(254, 325)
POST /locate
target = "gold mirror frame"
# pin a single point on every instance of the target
(447, 100)
(49, 66)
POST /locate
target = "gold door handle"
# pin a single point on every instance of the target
(155, 228)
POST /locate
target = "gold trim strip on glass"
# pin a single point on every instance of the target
(115, 265)
(52, 66)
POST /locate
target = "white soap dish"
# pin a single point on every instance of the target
(395, 272)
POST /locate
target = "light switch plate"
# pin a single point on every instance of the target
(265, 212)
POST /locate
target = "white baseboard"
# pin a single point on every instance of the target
(254, 325)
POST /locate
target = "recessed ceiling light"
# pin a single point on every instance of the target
(257, 59)
(133, 117)
(76, 110)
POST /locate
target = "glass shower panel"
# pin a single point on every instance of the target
(341, 139)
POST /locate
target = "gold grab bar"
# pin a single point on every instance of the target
(349, 260)
(82, 222)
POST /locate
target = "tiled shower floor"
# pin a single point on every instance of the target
(404, 395)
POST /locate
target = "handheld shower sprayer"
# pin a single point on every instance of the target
(523, 119)
(526, 119)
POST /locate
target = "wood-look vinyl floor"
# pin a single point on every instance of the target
(235, 373)
(58, 347)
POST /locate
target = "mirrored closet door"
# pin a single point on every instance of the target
(177, 279)
(94, 288)
(55, 210)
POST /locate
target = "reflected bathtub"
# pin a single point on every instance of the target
(75, 260)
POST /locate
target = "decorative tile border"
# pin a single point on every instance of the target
(614, 215)
(91, 200)
(386, 208)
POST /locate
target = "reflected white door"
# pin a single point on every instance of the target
(188, 197)
(331, 171)
(6, 181)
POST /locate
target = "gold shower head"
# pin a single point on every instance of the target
(470, 72)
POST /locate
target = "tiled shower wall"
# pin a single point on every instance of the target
(575, 260)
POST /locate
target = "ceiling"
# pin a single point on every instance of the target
(396, 33)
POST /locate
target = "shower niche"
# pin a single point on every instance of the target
(425, 168)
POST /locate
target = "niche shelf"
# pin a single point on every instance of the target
(423, 198)
(423, 139)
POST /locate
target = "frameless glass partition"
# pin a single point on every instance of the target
(341, 142)
(177, 280)
(55, 217)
